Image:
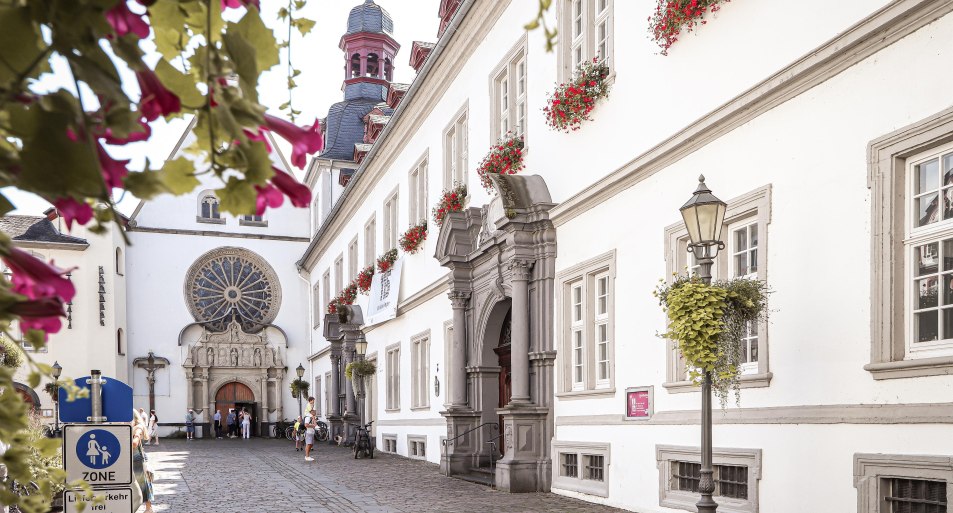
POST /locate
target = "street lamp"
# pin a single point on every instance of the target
(360, 347)
(57, 370)
(300, 371)
(704, 216)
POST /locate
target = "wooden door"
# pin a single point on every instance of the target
(231, 393)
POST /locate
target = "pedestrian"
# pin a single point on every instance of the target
(140, 464)
(217, 418)
(309, 424)
(153, 427)
(298, 429)
(190, 425)
(231, 420)
(246, 424)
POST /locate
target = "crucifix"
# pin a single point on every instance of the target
(150, 364)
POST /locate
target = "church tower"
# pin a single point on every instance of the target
(369, 49)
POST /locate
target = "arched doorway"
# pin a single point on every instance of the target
(237, 396)
(502, 351)
(29, 396)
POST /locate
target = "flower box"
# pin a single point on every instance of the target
(505, 158)
(386, 261)
(671, 16)
(413, 239)
(572, 102)
(452, 200)
(364, 279)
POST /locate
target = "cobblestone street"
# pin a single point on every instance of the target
(268, 476)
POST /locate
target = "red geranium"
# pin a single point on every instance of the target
(671, 16)
(572, 102)
(386, 261)
(505, 158)
(413, 239)
(453, 200)
(364, 279)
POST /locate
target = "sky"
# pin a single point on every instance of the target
(319, 86)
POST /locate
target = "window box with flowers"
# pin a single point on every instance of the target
(413, 239)
(386, 261)
(364, 279)
(504, 158)
(672, 16)
(452, 200)
(346, 297)
(572, 102)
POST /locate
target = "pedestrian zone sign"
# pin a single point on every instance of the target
(116, 500)
(100, 454)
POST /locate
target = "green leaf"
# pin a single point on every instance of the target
(304, 25)
(20, 43)
(238, 196)
(299, 4)
(178, 176)
(167, 19)
(46, 148)
(261, 38)
(258, 169)
(179, 83)
(533, 25)
(244, 59)
(5, 205)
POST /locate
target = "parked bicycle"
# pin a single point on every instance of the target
(322, 433)
(281, 429)
(363, 445)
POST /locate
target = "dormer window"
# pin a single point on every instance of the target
(208, 209)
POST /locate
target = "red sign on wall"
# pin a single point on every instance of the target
(638, 403)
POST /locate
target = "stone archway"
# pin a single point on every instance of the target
(233, 395)
(502, 263)
(29, 396)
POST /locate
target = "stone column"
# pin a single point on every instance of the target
(520, 272)
(458, 352)
(335, 385)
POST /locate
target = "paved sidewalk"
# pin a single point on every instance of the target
(268, 476)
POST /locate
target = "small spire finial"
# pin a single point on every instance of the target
(701, 178)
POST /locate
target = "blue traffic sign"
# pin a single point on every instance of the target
(98, 449)
(117, 402)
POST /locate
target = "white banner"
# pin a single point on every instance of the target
(385, 288)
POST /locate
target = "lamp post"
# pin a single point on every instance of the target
(57, 370)
(704, 216)
(360, 347)
(300, 371)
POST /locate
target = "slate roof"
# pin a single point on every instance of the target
(345, 126)
(35, 229)
(370, 17)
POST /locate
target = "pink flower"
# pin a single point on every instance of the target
(40, 314)
(36, 279)
(156, 100)
(142, 135)
(257, 136)
(235, 4)
(125, 21)
(268, 197)
(304, 141)
(73, 210)
(113, 170)
(298, 193)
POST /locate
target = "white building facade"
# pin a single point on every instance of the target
(797, 117)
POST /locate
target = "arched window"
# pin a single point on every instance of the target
(120, 343)
(388, 70)
(355, 65)
(373, 69)
(208, 208)
(120, 264)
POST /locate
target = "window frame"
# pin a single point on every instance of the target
(317, 393)
(583, 277)
(588, 38)
(417, 182)
(249, 220)
(414, 441)
(392, 370)
(352, 258)
(386, 440)
(582, 451)
(326, 285)
(316, 308)
(420, 371)
(370, 240)
(665, 455)
(215, 213)
(339, 273)
(456, 148)
(391, 213)
(887, 160)
(753, 207)
(871, 470)
(504, 92)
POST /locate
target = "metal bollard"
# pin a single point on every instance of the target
(95, 383)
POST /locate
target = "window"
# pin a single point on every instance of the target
(455, 151)
(909, 177)
(737, 473)
(390, 443)
(252, 221)
(745, 235)
(352, 258)
(390, 222)
(581, 467)
(315, 214)
(589, 25)
(586, 313)
(317, 393)
(420, 356)
(393, 377)
(888, 483)
(120, 342)
(417, 210)
(326, 285)
(417, 447)
(370, 236)
(339, 273)
(120, 262)
(508, 93)
(316, 306)
(208, 209)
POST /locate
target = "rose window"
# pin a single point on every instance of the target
(232, 282)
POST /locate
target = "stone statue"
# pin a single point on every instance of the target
(210, 356)
(257, 357)
(234, 357)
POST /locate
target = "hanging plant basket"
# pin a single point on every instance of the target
(453, 199)
(413, 239)
(364, 279)
(708, 323)
(360, 368)
(572, 102)
(671, 17)
(505, 158)
(386, 261)
(299, 386)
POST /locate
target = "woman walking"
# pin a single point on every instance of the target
(246, 424)
(153, 428)
(139, 462)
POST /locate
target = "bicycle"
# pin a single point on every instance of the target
(363, 446)
(278, 428)
(322, 433)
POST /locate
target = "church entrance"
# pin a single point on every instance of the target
(237, 396)
(502, 351)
